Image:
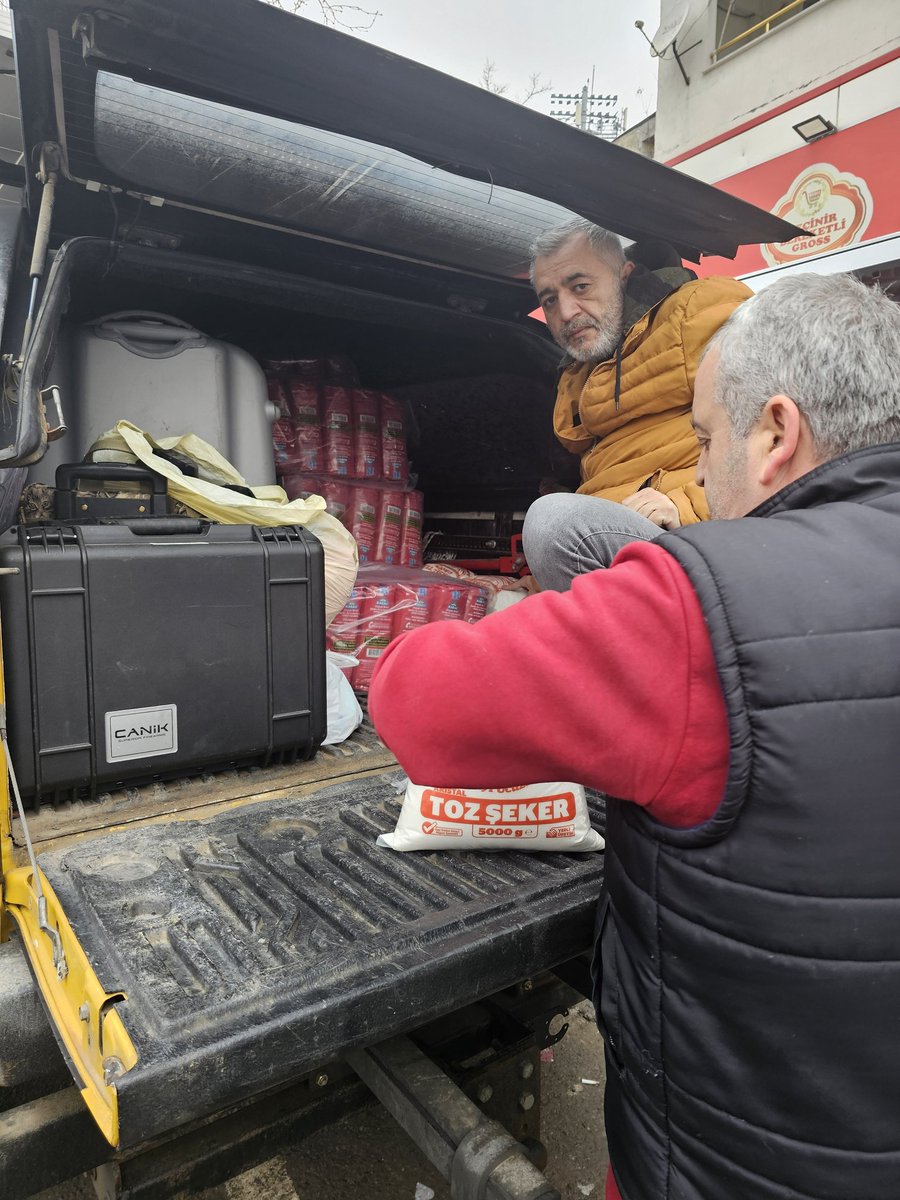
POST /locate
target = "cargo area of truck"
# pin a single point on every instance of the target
(479, 390)
(245, 916)
(255, 939)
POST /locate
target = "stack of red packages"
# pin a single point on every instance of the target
(296, 388)
(329, 426)
(386, 603)
(347, 444)
(386, 522)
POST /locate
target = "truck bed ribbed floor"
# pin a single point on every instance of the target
(257, 943)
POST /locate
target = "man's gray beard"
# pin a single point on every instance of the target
(608, 332)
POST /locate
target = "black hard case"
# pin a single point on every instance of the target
(223, 622)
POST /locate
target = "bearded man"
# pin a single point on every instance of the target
(633, 338)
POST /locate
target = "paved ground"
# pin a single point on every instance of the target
(368, 1157)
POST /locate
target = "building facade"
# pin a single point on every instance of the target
(794, 107)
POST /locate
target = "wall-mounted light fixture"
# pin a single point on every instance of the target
(814, 128)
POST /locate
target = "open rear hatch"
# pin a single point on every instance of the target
(166, 122)
(259, 59)
(189, 961)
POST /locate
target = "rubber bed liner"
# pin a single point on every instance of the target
(263, 941)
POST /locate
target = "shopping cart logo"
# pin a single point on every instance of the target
(831, 205)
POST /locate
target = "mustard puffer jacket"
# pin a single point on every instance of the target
(647, 438)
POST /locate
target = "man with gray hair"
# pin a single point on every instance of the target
(633, 339)
(737, 684)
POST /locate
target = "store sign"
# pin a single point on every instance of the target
(833, 206)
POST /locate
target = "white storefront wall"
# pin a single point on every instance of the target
(805, 51)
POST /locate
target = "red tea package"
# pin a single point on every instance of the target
(302, 398)
(393, 439)
(413, 607)
(337, 498)
(363, 514)
(377, 627)
(303, 401)
(337, 430)
(390, 521)
(284, 444)
(366, 434)
(411, 530)
(298, 485)
(476, 604)
(448, 603)
(344, 634)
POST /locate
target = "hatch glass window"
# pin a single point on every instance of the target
(227, 160)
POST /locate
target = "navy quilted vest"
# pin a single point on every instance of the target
(750, 966)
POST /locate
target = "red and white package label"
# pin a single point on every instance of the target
(448, 603)
(337, 431)
(476, 604)
(367, 460)
(540, 816)
(337, 498)
(390, 521)
(393, 439)
(469, 809)
(284, 443)
(378, 630)
(363, 513)
(411, 533)
(303, 400)
(413, 607)
(344, 635)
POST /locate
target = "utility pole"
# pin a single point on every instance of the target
(597, 115)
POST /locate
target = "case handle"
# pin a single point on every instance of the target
(68, 475)
(163, 527)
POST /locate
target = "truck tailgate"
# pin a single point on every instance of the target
(256, 943)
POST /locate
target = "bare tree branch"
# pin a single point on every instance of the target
(489, 80)
(344, 16)
(536, 87)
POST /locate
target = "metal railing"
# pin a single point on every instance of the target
(761, 27)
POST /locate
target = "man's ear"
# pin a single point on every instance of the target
(627, 268)
(780, 436)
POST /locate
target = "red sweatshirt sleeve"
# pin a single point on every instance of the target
(611, 684)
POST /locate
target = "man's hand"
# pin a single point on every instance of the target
(655, 507)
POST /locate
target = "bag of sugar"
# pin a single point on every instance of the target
(538, 816)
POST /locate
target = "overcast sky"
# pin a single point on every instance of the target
(564, 42)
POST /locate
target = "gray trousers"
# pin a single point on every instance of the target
(567, 535)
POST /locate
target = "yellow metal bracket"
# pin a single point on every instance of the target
(83, 1014)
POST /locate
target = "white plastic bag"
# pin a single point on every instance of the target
(539, 816)
(344, 712)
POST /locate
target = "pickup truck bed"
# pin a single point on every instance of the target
(257, 931)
